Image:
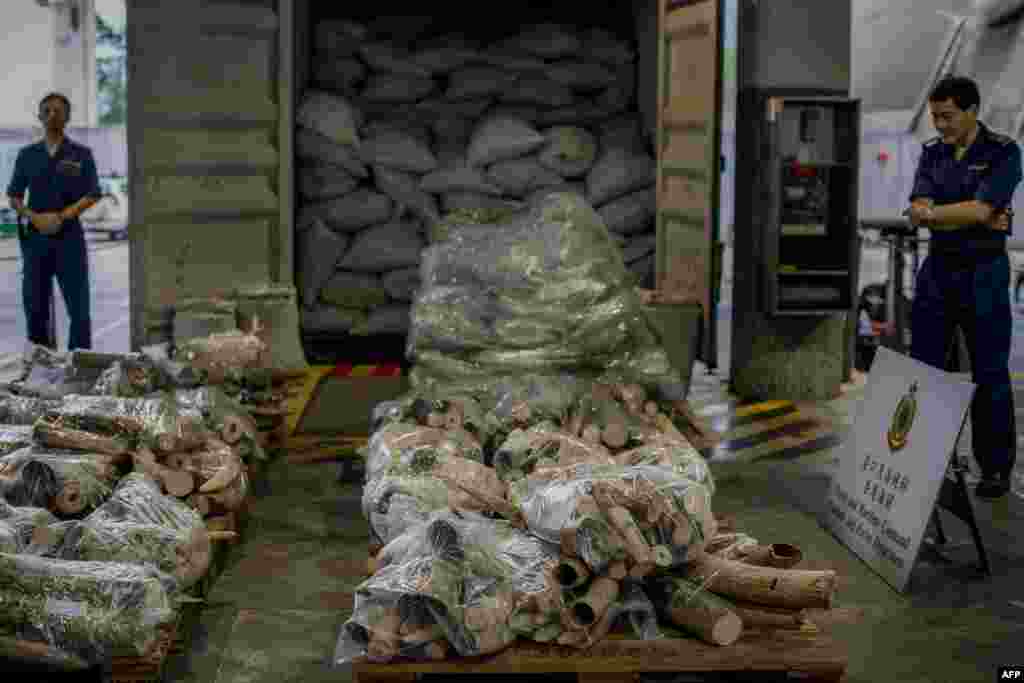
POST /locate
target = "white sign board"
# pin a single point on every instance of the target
(892, 465)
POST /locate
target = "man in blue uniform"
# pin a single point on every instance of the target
(962, 194)
(60, 176)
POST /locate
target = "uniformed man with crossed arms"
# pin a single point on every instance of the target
(60, 176)
(962, 193)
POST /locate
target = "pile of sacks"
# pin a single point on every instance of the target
(391, 140)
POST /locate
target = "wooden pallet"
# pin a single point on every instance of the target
(221, 552)
(273, 430)
(148, 669)
(119, 669)
(697, 429)
(813, 654)
(815, 657)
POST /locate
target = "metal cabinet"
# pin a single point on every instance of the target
(810, 217)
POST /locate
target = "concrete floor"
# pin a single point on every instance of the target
(274, 615)
(110, 298)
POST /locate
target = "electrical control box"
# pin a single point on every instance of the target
(810, 228)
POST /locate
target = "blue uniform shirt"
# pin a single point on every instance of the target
(989, 171)
(56, 182)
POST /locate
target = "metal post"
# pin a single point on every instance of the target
(890, 293)
(51, 331)
(917, 265)
(901, 313)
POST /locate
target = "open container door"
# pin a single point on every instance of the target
(689, 134)
(206, 131)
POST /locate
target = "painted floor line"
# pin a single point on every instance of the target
(107, 329)
(727, 424)
(125, 304)
(794, 426)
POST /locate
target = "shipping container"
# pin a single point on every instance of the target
(215, 102)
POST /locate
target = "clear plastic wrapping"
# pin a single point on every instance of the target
(544, 291)
(453, 319)
(102, 539)
(636, 609)
(140, 524)
(25, 520)
(423, 479)
(732, 546)
(10, 542)
(82, 480)
(138, 498)
(558, 240)
(50, 374)
(394, 444)
(651, 367)
(434, 368)
(391, 505)
(458, 580)
(222, 414)
(28, 483)
(572, 506)
(223, 356)
(461, 409)
(498, 404)
(132, 376)
(152, 421)
(529, 399)
(93, 610)
(24, 410)
(545, 445)
(680, 458)
(13, 437)
(182, 375)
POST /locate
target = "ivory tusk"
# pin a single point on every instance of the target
(220, 481)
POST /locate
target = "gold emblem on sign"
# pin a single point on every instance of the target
(903, 420)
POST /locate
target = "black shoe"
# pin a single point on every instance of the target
(992, 488)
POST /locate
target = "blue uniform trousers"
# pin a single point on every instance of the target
(972, 293)
(65, 257)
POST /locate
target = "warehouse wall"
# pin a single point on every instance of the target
(895, 47)
(797, 47)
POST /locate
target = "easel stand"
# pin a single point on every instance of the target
(954, 498)
(953, 495)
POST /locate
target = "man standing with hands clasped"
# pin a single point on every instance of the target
(962, 194)
(60, 176)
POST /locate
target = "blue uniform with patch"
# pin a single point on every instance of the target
(964, 282)
(55, 183)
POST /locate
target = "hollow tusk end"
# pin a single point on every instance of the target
(219, 481)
